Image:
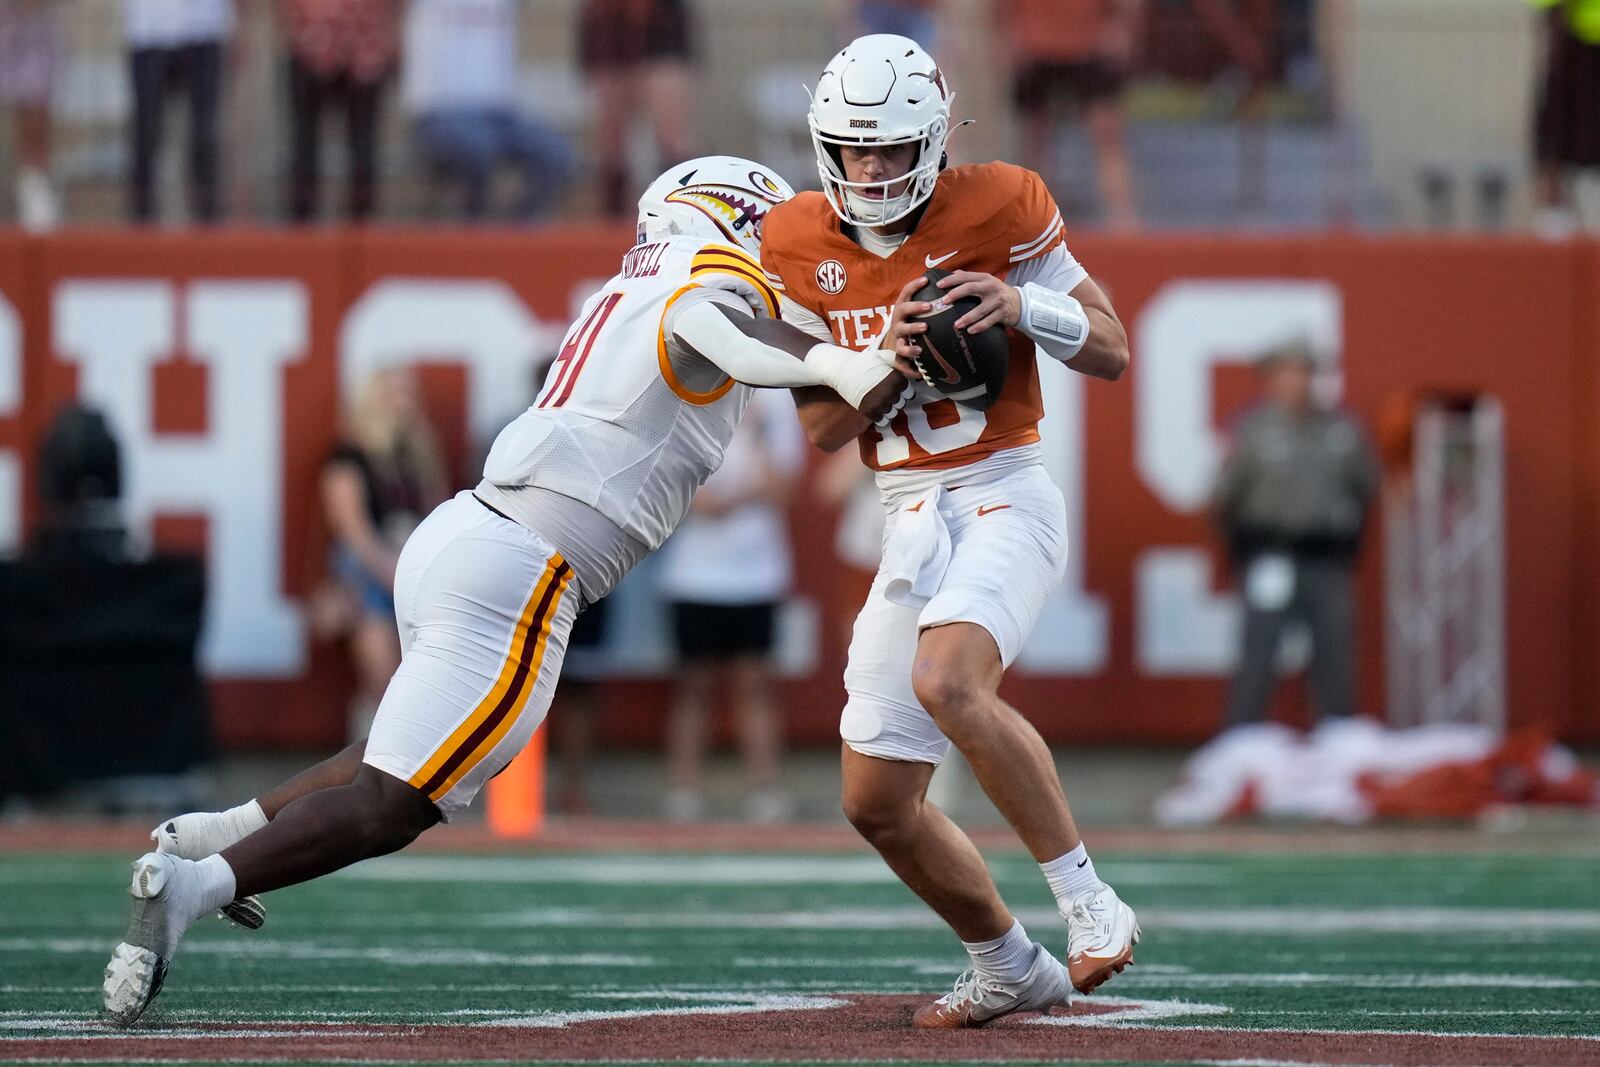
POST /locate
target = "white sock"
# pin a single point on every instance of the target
(1007, 958)
(1070, 876)
(217, 884)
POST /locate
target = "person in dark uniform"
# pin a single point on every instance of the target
(1290, 500)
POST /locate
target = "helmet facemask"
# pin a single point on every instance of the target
(849, 198)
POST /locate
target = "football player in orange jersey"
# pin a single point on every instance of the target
(976, 538)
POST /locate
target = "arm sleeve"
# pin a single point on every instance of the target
(1057, 269)
(694, 322)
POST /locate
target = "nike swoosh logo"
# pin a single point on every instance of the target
(1083, 862)
(998, 507)
(949, 377)
(917, 506)
(929, 261)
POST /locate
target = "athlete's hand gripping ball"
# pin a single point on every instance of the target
(951, 325)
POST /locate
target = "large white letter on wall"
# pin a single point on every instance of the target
(480, 323)
(245, 332)
(1182, 333)
(10, 407)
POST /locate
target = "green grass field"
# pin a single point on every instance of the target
(1403, 943)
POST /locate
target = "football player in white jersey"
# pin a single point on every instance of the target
(634, 415)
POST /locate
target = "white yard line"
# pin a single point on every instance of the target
(1429, 1013)
(636, 870)
(750, 1005)
(1383, 980)
(395, 956)
(1247, 1030)
(1281, 1063)
(1497, 924)
(1135, 1012)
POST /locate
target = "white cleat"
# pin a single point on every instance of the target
(133, 978)
(205, 833)
(163, 891)
(978, 999)
(1101, 933)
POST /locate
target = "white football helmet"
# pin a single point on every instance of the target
(881, 89)
(722, 198)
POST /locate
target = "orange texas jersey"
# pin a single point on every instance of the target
(984, 217)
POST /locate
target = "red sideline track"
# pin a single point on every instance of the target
(865, 1028)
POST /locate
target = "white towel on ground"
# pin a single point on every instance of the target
(918, 552)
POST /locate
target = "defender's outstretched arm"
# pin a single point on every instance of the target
(767, 352)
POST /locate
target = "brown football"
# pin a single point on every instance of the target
(970, 368)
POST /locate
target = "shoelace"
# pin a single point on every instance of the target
(1088, 907)
(969, 987)
(1088, 910)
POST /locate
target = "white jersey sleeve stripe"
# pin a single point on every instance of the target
(1018, 257)
(1038, 246)
(1054, 222)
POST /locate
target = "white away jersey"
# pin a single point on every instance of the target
(627, 422)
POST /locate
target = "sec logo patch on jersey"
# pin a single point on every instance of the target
(830, 276)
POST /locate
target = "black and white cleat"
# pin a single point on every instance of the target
(247, 912)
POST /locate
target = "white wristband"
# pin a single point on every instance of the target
(1056, 321)
(847, 372)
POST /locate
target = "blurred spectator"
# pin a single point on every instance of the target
(1078, 51)
(80, 488)
(175, 44)
(726, 571)
(98, 674)
(386, 474)
(637, 56)
(344, 51)
(1291, 500)
(1567, 126)
(460, 82)
(28, 53)
(916, 19)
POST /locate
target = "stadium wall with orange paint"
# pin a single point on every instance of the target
(222, 358)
